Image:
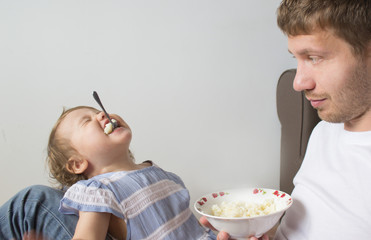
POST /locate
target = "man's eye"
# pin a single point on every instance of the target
(314, 60)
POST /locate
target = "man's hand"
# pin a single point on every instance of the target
(264, 237)
(223, 235)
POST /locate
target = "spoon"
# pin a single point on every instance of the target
(96, 97)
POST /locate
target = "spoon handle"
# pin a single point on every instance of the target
(96, 97)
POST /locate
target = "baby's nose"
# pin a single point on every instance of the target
(101, 116)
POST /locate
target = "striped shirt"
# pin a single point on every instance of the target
(154, 203)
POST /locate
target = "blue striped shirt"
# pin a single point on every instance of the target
(154, 203)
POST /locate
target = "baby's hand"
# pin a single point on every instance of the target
(32, 236)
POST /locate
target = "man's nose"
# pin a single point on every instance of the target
(303, 80)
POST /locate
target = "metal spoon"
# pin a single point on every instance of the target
(96, 97)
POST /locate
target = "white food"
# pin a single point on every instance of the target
(243, 209)
(109, 128)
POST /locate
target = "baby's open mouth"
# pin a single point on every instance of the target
(109, 127)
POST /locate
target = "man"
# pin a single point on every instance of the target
(331, 41)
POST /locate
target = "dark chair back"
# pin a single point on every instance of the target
(297, 118)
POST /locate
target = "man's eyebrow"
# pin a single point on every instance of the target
(308, 51)
(302, 51)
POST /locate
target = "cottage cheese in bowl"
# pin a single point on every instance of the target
(235, 209)
(244, 212)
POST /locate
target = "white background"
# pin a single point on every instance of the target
(195, 80)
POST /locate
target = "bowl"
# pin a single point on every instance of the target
(248, 226)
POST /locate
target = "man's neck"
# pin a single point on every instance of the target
(359, 124)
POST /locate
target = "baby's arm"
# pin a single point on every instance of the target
(92, 225)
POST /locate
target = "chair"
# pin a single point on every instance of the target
(297, 118)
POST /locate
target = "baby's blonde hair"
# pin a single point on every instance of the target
(59, 150)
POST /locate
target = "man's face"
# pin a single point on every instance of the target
(335, 81)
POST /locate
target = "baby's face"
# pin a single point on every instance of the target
(84, 129)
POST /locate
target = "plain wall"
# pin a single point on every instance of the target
(195, 80)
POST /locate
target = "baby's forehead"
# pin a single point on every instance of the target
(86, 110)
(78, 114)
(72, 119)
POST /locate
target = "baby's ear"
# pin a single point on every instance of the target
(77, 165)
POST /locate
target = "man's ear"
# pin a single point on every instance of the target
(77, 165)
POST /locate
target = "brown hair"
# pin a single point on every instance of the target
(349, 19)
(59, 150)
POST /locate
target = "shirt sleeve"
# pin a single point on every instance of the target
(90, 196)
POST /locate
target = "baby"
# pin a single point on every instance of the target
(109, 192)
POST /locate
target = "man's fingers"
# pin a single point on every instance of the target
(205, 222)
(222, 236)
(265, 237)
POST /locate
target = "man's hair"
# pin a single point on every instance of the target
(60, 150)
(349, 19)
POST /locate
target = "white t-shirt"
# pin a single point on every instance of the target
(332, 194)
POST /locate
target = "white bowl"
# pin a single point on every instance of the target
(244, 227)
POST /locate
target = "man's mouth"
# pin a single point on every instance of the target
(316, 102)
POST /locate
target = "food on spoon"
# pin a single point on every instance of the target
(109, 128)
(243, 209)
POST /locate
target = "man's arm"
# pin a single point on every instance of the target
(92, 226)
